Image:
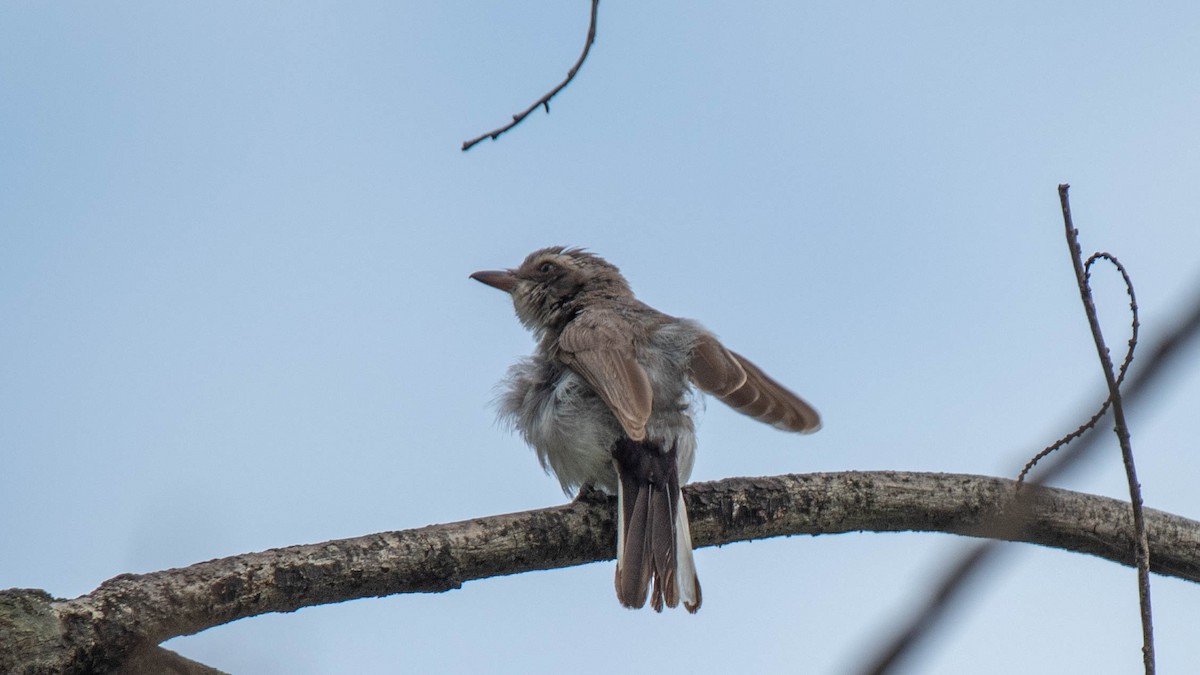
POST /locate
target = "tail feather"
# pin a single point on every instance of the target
(654, 546)
(685, 564)
(689, 584)
(661, 544)
(633, 562)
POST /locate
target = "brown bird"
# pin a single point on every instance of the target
(605, 400)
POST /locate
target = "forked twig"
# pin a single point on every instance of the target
(544, 101)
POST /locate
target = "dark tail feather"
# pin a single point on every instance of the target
(653, 542)
(662, 548)
(633, 564)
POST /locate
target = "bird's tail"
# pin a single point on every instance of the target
(654, 544)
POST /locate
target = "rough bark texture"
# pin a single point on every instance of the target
(115, 626)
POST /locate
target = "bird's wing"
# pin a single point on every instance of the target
(741, 385)
(599, 347)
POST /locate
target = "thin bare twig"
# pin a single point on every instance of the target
(544, 101)
(1133, 308)
(1142, 551)
(1164, 354)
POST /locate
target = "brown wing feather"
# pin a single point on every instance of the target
(744, 387)
(714, 369)
(786, 411)
(599, 349)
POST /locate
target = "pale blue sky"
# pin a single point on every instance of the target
(235, 313)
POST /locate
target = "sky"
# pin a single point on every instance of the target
(235, 312)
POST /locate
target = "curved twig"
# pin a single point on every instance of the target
(1133, 337)
(544, 101)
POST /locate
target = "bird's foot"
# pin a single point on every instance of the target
(588, 494)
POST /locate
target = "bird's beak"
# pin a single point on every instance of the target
(502, 279)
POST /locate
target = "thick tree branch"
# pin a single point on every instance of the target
(97, 631)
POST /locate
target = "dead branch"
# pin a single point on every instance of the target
(97, 631)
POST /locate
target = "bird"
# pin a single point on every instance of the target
(606, 401)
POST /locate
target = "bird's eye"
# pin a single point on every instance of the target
(546, 267)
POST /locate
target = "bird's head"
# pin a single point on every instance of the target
(553, 284)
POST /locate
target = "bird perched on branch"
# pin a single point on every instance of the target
(605, 401)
